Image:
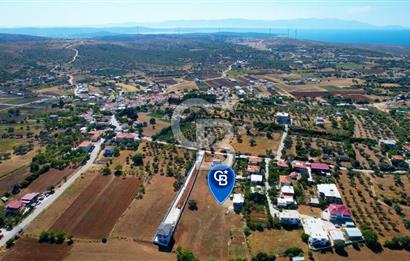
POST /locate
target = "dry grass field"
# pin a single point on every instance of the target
(151, 130)
(261, 144)
(275, 241)
(182, 87)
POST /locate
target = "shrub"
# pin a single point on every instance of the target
(185, 255)
(293, 251)
(304, 237)
(44, 237)
(264, 257)
(104, 240)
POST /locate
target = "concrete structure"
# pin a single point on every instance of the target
(336, 235)
(329, 192)
(318, 236)
(353, 234)
(168, 224)
(290, 217)
(256, 179)
(238, 201)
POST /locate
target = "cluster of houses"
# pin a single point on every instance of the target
(27, 202)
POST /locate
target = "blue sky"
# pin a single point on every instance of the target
(15, 13)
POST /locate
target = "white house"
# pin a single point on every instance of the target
(316, 229)
(353, 234)
(238, 201)
(329, 192)
(291, 217)
(164, 234)
(256, 178)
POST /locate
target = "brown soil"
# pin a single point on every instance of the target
(140, 221)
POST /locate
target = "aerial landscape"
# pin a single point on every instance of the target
(110, 128)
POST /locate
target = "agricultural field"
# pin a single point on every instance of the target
(369, 208)
(152, 129)
(91, 215)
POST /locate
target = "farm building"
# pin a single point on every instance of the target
(14, 207)
(337, 214)
(329, 192)
(238, 201)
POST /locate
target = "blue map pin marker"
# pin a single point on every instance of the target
(221, 180)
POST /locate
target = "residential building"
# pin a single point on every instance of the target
(300, 166)
(336, 235)
(30, 198)
(108, 151)
(320, 168)
(285, 181)
(320, 121)
(252, 169)
(85, 146)
(337, 214)
(283, 118)
(14, 207)
(238, 201)
(164, 234)
(318, 236)
(255, 160)
(330, 193)
(256, 179)
(290, 217)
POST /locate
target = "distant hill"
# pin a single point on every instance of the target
(10, 38)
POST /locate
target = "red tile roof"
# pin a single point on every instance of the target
(17, 204)
(298, 164)
(397, 157)
(29, 197)
(283, 164)
(407, 147)
(123, 135)
(285, 180)
(319, 166)
(85, 144)
(253, 169)
(255, 160)
(335, 209)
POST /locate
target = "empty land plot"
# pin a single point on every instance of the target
(13, 177)
(31, 249)
(182, 86)
(196, 229)
(275, 241)
(141, 220)
(94, 213)
(152, 129)
(261, 144)
(117, 250)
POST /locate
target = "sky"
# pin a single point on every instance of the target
(51, 13)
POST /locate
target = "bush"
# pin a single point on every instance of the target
(44, 237)
(263, 257)
(293, 251)
(104, 240)
(192, 204)
(304, 237)
(185, 255)
(9, 243)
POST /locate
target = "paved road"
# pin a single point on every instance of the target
(272, 210)
(52, 198)
(281, 144)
